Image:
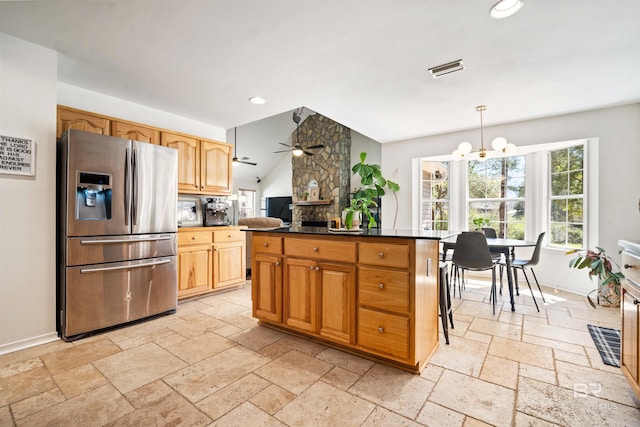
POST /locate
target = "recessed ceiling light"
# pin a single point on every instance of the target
(505, 8)
(257, 100)
(450, 67)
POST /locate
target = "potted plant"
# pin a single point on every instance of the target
(480, 222)
(374, 185)
(600, 265)
(352, 215)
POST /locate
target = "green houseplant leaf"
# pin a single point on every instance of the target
(375, 186)
(600, 265)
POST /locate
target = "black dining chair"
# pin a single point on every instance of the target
(523, 264)
(472, 253)
(491, 233)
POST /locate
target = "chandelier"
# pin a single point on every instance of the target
(499, 144)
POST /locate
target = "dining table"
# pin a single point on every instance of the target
(506, 246)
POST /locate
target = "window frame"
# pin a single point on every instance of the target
(506, 200)
(584, 196)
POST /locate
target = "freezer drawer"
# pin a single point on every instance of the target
(104, 295)
(96, 250)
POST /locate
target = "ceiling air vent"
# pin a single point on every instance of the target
(450, 67)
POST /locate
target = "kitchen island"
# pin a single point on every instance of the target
(372, 293)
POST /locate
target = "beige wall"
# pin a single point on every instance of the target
(28, 76)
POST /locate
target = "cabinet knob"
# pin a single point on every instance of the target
(629, 266)
(277, 263)
(311, 267)
(636, 301)
(193, 238)
(381, 329)
(380, 285)
(229, 235)
(266, 245)
(315, 249)
(381, 255)
(317, 268)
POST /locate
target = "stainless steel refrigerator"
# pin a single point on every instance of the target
(117, 225)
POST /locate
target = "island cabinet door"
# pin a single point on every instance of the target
(630, 334)
(301, 294)
(337, 302)
(267, 287)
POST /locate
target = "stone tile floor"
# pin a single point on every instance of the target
(210, 364)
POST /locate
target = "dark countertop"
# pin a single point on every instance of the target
(324, 231)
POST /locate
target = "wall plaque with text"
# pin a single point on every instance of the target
(17, 156)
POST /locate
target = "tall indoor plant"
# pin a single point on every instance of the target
(600, 265)
(373, 187)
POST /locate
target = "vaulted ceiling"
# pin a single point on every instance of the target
(361, 63)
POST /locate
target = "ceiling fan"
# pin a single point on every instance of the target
(237, 159)
(298, 149)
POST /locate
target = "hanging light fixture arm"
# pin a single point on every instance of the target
(499, 144)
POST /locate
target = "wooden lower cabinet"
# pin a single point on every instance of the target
(194, 270)
(209, 259)
(337, 302)
(630, 307)
(301, 294)
(267, 298)
(385, 308)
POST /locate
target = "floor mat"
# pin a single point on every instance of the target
(607, 342)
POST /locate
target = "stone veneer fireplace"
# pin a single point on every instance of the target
(330, 166)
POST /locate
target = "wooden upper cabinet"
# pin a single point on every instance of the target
(135, 132)
(69, 118)
(188, 160)
(215, 166)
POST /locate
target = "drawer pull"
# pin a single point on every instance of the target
(266, 245)
(381, 329)
(629, 266)
(315, 249)
(380, 285)
(193, 237)
(381, 255)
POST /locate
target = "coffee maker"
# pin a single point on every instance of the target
(215, 211)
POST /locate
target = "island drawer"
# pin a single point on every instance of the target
(191, 238)
(384, 333)
(384, 289)
(384, 255)
(228, 236)
(330, 250)
(631, 267)
(267, 244)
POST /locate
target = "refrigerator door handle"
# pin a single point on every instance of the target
(127, 203)
(134, 198)
(123, 267)
(135, 240)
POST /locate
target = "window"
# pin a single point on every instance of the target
(246, 203)
(496, 195)
(435, 196)
(566, 197)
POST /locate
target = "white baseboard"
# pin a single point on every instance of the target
(29, 342)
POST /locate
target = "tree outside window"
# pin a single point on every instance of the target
(435, 196)
(566, 225)
(496, 194)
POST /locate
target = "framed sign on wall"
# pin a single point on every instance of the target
(17, 156)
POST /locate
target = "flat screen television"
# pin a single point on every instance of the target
(280, 207)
